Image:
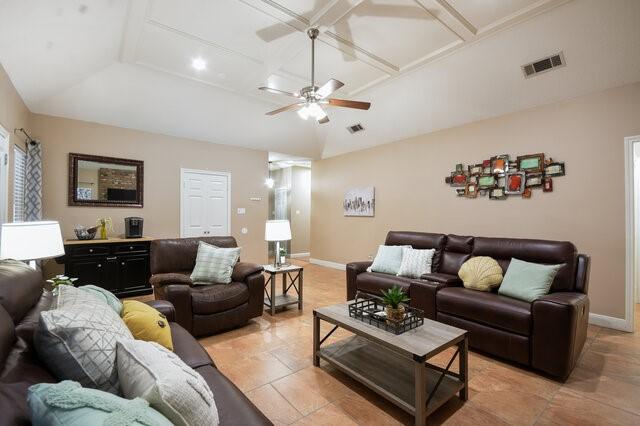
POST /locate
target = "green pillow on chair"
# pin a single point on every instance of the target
(528, 281)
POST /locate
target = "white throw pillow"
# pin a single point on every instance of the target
(77, 339)
(387, 260)
(214, 265)
(415, 263)
(151, 372)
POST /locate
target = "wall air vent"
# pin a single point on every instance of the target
(543, 65)
(355, 128)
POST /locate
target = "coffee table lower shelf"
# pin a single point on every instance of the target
(389, 374)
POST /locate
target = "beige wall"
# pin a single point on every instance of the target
(300, 209)
(13, 114)
(586, 207)
(163, 157)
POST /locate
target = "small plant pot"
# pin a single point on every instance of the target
(395, 315)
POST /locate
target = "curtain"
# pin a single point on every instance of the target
(33, 182)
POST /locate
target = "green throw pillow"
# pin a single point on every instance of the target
(102, 294)
(527, 281)
(214, 265)
(67, 403)
(388, 259)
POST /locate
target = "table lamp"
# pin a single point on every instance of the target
(31, 241)
(277, 230)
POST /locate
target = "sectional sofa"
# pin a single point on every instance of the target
(547, 334)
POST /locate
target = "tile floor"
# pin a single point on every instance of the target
(270, 360)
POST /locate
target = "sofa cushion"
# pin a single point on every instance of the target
(439, 277)
(7, 334)
(536, 251)
(487, 308)
(147, 323)
(21, 288)
(218, 297)
(375, 282)
(104, 295)
(456, 252)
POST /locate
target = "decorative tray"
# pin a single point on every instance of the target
(371, 310)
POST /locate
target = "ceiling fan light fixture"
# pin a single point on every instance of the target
(304, 112)
(316, 111)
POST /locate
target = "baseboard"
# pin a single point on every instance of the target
(299, 255)
(328, 264)
(610, 322)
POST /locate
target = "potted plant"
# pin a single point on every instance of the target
(283, 255)
(393, 299)
(59, 280)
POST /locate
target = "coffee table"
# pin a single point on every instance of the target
(395, 366)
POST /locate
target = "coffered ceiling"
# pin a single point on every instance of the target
(425, 64)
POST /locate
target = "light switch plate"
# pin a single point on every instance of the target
(242, 210)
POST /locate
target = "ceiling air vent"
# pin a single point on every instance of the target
(355, 128)
(543, 65)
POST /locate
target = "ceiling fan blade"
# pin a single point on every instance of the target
(323, 120)
(329, 87)
(349, 104)
(279, 92)
(283, 109)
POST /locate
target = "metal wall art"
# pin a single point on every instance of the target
(500, 177)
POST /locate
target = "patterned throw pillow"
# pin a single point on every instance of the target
(481, 273)
(415, 263)
(102, 294)
(388, 259)
(214, 265)
(67, 403)
(149, 371)
(77, 340)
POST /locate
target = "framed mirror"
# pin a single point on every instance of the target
(105, 181)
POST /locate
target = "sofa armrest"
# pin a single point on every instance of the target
(160, 280)
(559, 332)
(180, 296)
(353, 269)
(255, 283)
(244, 269)
(423, 296)
(165, 308)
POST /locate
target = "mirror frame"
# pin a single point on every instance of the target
(73, 173)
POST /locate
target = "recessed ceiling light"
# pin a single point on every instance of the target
(199, 64)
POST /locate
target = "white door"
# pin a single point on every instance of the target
(4, 175)
(205, 203)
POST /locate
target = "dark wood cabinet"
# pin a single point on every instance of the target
(118, 265)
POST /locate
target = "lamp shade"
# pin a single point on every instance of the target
(30, 240)
(277, 230)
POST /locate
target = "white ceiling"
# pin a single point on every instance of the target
(424, 64)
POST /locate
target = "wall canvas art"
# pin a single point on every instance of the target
(360, 202)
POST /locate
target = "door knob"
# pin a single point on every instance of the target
(99, 265)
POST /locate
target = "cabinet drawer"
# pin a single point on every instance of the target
(89, 250)
(131, 248)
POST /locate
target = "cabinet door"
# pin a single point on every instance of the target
(87, 271)
(134, 272)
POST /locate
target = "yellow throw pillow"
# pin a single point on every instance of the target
(481, 273)
(146, 323)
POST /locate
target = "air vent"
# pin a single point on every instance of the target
(543, 65)
(355, 128)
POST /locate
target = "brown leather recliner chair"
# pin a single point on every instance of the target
(209, 309)
(547, 334)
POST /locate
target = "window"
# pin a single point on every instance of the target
(19, 176)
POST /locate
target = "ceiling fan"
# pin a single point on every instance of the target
(312, 98)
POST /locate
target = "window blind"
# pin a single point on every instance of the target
(19, 177)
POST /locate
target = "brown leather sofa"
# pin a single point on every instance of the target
(547, 334)
(22, 300)
(205, 310)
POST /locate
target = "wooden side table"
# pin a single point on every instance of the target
(275, 301)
